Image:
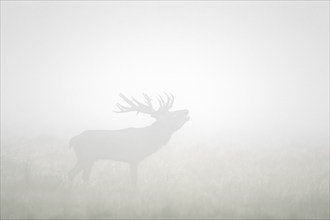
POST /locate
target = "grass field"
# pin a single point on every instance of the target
(218, 180)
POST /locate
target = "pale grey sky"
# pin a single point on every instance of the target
(255, 68)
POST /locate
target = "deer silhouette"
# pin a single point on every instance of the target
(130, 145)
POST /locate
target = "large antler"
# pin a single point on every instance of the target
(135, 105)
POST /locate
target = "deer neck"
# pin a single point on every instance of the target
(160, 129)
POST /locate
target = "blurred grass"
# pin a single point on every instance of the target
(180, 181)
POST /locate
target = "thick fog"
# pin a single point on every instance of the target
(253, 75)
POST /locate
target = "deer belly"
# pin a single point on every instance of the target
(114, 148)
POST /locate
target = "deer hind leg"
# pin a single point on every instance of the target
(87, 170)
(134, 173)
(75, 170)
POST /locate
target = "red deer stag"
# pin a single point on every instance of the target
(130, 145)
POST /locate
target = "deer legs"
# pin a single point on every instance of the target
(87, 171)
(86, 167)
(134, 173)
(75, 170)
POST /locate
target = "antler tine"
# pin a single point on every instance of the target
(127, 100)
(170, 101)
(148, 99)
(137, 102)
(146, 107)
(122, 109)
(161, 102)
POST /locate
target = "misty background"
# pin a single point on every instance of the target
(253, 68)
(251, 74)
